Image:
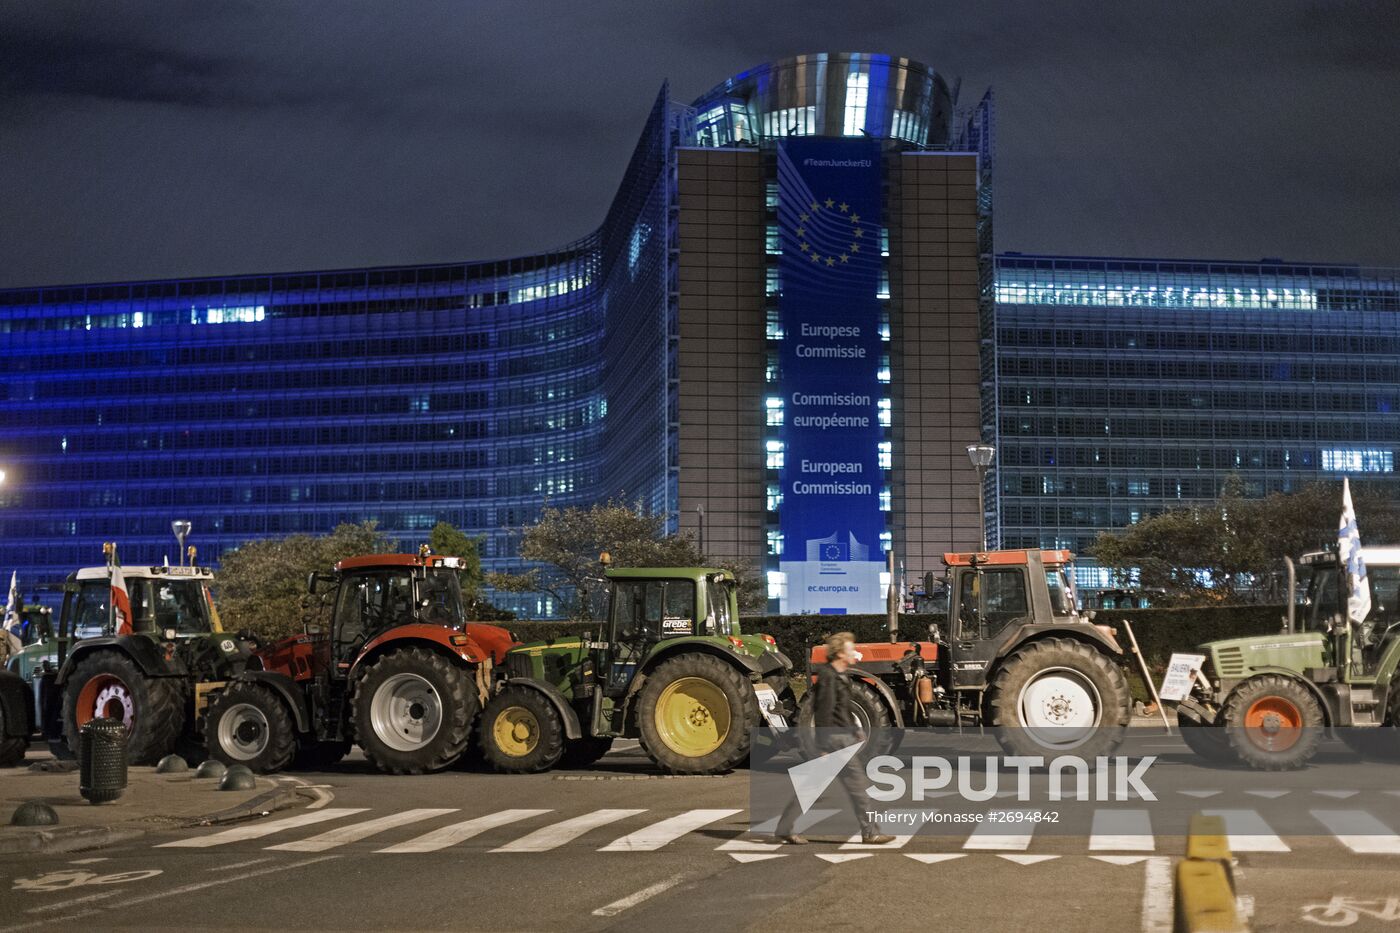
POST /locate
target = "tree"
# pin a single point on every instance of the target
(448, 541)
(1232, 549)
(569, 541)
(261, 583)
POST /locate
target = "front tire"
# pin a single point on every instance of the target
(249, 725)
(1273, 723)
(109, 684)
(413, 711)
(521, 732)
(1058, 696)
(695, 714)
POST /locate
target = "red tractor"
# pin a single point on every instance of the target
(389, 664)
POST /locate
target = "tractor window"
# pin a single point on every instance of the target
(440, 598)
(636, 608)
(1321, 602)
(1061, 591)
(370, 603)
(169, 604)
(1385, 599)
(718, 622)
(92, 609)
(991, 600)
(680, 609)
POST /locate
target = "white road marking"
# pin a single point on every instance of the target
(1120, 859)
(1157, 903)
(251, 861)
(557, 834)
(1337, 794)
(997, 836)
(258, 830)
(1121, 831)
(1201, 794)
(1269, 794)
(839, 857)
(1359, 831)
(632, 900)
(855, 843)
(932, 858)
(461, 832)
(77, 900)
(89, 861)
(739, 844)
(1028, 859)
(1248, 832)
(755, 856)
(346, 834)
(803, 823)
(666, 831)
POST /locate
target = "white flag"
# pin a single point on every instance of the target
(12, 606)
(1349, 554)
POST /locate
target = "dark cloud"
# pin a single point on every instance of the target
(155, 139)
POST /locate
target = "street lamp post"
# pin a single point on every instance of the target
(700, 514)
(982, 456)
(181, 529)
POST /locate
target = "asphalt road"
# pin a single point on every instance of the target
(618, 846)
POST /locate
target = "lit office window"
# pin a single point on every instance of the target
(886, 542)
(885, 498)
(774, 281)
(884, 287)
(772, 240)
(774, 450)
(774, 406)
(792, 121)
(1358, 460)
(770, 196)
(775, 497)
(774, 325)
(775, 543)
(886, 455)
(770, 368)
(777, 584)
(885, 241)
(857, 89)
(884, 412)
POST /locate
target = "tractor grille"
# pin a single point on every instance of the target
(1230, 661)
(519, 665)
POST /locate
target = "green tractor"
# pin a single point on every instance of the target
(147, 657)
(1268, 700)
(671, 668)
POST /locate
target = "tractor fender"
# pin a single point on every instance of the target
(145, 652)
(458, 646)
(287, 689)
(1192, 709)
(748, 664)
(572, 729)
(14, 699)
(886, 694)
(1087, 634)
(1291, 675)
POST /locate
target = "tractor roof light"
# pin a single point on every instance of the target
(453, 563)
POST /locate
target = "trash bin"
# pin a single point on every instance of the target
(102, 760)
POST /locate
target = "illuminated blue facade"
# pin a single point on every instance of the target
(476, 392)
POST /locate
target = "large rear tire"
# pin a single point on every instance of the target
(1274, 723)
(1059, 696)
(413, 711)
(249, 725)
(521, 732)
(12, 749)
(109, 684)
(695, 714)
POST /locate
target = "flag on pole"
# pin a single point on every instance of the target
(121, 602)
(1349, 553)
(11, 621)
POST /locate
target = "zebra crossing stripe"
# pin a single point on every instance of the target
(1121, 831)
(258, 830)
(1359, 831)
(666, 831)
(996, 836)
(1248, 832)
(357, 831)
(460, 832)
(557, 834)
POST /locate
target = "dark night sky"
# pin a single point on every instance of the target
(153, 139)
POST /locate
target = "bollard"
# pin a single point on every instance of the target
(102, 760)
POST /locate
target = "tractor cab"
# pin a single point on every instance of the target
(997, 599)
(1357, 650)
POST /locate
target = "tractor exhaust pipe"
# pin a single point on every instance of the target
(1289, 619)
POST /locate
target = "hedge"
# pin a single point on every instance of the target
(1159, 631)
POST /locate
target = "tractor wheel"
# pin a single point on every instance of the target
(1059, 695)
(1273, 723)
(869, 711)
(248, 724)
(318, 756)
(109, 684)
(413, 711)
(521, 732)
(1205, 739)
(11, 749)
(580, 753)
(695, 712)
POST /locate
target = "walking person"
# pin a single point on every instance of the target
(837, 728)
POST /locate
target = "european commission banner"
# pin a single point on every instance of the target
(829, 212)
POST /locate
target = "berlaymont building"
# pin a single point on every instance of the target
(783, 337)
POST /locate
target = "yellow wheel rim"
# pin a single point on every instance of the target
(693, 717)
(516, 731)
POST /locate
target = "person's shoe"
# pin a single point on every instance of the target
(875, 839)
(792, 840)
